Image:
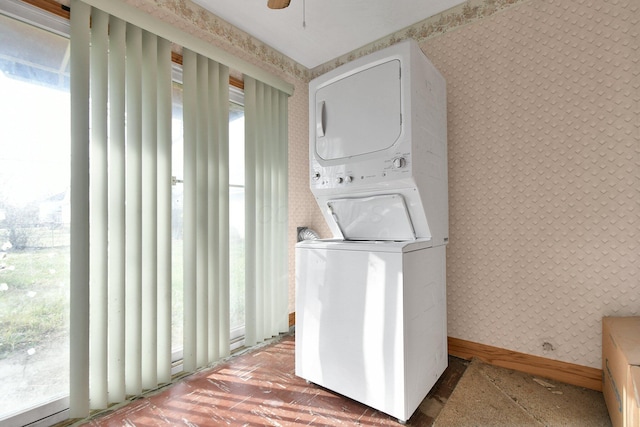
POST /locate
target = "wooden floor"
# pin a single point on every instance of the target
(259, 388)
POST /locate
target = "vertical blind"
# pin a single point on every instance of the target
(266, 274)
(122, 149)
(206, 210)
(121, 209)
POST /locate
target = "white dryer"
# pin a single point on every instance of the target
(371, 302)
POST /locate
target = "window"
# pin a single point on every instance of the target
(34, 218)
(34, 215)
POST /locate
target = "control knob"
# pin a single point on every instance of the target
(399, 162)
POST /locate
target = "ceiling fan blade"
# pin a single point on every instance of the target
(278, 4)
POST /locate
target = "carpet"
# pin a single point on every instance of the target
(487, 396)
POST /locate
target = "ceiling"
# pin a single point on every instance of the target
(333, 27)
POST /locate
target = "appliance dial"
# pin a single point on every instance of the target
(316, 175)
(348, 178)
(339, 180)
(399, 162)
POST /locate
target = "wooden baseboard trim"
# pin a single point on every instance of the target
(569, 373)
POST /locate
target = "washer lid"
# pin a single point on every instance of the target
(382, 217)
(366, 246)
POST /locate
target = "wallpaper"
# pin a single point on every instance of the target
(544, 175)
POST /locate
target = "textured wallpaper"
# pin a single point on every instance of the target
(544, 175)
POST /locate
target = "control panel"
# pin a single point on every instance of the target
(363, 173)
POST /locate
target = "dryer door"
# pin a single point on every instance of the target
(359, 114)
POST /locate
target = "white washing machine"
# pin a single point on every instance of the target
(373, 327)
(371, 302)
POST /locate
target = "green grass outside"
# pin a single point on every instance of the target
(34, 298)
(34, 295)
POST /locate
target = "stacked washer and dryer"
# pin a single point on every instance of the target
(371, 302)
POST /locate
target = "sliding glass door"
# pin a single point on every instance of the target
(34, 218)
(35, 221)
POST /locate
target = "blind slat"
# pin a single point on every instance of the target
(273, 232)
(202, 269)
(259, 165)
(98, 156)
(213, 207)
(116, 254)
(266, 212)
(190, 105)
(250, 211)
(222, 115)
(133, 225)
(283, 219)
(149, 209)
(164, 210)
(79, 211)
